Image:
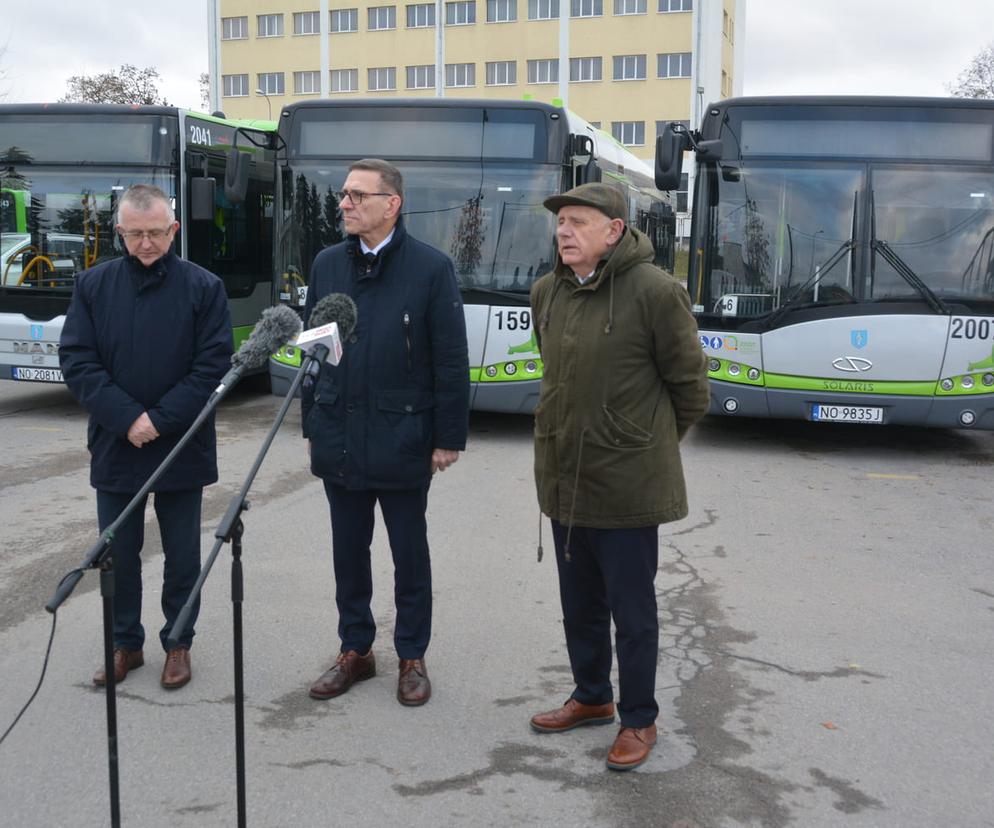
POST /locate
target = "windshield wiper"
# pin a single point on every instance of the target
(901, 267)
(820, 271)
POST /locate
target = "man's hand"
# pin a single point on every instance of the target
(142, 431)
(441, 459)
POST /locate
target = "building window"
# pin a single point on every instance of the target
(306, 23)
(676, 5)
(421, 16)
(629, 67)
(345, 20)
(586, 8)
(421, 77)
(382, 17)
(271, 83)
(629, 133)
(675, 65)
(460, 13)
(543, 71)
(543, 9)
(681, 194)
(234, 86)
(582, 70)
(344, 80)
(234, 28)
(502, 11)
(502, 73)
(382, 79)
(629, 6)
(270, 25)
(460, 74)
(306, 83)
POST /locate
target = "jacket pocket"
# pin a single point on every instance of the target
(403, 420)
(623, 431)
(326, 430)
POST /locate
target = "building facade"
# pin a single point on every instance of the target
(625, 65)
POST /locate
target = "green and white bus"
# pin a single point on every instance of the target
(475, 175)
(62, 169)
(842, 257)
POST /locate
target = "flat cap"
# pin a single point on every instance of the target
(594, 194)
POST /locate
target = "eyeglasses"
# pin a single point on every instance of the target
(152, 235)
(356, 196)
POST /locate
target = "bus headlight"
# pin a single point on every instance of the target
(753, 374)
(510, 369)
(491, 370)
(731, 405)
(967, 382)
(714, 364)
(988, 379)
(967, 418)
(531, 367)
(734, 370)
(946, 385)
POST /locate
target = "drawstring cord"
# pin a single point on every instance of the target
(576, 485)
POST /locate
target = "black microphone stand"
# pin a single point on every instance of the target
(99, 557)
(231, 529)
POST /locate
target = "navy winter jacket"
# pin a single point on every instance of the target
(152, 339)
(402, 387)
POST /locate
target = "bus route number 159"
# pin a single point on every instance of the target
(513, 320)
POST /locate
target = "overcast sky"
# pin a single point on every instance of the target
(857, 47)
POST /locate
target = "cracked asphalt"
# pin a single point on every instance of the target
(826, 652)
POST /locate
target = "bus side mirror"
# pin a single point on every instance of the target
(236, 176)
(582, 150)
(670, 147)
(202, 199)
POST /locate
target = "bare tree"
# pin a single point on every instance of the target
(977, 80)
(128, 85)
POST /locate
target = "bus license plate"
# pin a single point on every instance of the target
(38, 374)
(847, 413)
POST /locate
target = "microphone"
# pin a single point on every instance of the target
(275, 328)
(332, 320)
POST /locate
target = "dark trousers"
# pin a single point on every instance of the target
(610, 574)
(178, 514)
(351, 534)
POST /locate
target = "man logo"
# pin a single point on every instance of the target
(859, 338)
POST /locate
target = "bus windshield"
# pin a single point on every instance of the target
(68, 222)
(775, 228)
(489, 219)
(940, 222)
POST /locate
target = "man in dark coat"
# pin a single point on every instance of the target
(383, 421)
(624, 378)
(147, 338)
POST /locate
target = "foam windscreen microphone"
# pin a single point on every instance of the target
(332, 320)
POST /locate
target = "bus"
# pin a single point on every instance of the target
(63, 168)
(475, 175)
(841, 262)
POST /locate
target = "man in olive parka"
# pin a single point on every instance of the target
(624, 378)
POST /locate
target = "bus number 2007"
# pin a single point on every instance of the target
(969, 328)
(513, 320)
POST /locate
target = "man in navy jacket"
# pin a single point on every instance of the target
(391, 414)
(147, 338)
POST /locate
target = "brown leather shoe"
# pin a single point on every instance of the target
(573, 714)
(348, 668)
(631, 747)
(124, 661)
(413, 685)
(176, 670)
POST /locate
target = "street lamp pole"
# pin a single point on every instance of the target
(269, 107)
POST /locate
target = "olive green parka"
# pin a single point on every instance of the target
(624, 378)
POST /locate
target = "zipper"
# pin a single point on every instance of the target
(407, 338)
